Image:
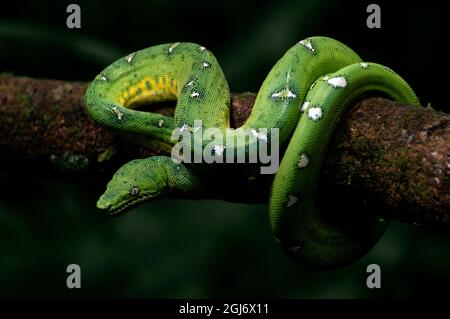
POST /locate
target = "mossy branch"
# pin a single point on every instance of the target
(394, 152)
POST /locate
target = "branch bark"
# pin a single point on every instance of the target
(398, 154)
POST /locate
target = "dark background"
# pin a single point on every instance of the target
(195, 249)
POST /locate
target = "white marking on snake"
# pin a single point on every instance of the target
(103, 78)
(201, 49)
(172, 47)
(315, 113)
(218, 149)
(288, 77)
(190, 83)
(363, 65)
(184, 128)
(285, 94)
(262, 136)
(117, 113)
(195, 94)
(161, 123)
(205, 65)
(305, 106)
(291, 200)
(337, 82)
(294, 249)
(258, 135)
(307, 44)
(303, 161)
(130, 57)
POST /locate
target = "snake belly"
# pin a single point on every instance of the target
(304, 96)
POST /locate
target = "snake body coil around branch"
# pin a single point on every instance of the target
(303, 97)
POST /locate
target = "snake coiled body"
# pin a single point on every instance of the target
(304, 96)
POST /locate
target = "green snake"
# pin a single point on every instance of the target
(304, 96)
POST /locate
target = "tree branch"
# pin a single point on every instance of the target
(394, 152)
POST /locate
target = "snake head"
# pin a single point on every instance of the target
(134, 183)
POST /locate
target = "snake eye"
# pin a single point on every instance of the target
(134, 191)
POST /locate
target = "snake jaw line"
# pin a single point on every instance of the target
(122, 208)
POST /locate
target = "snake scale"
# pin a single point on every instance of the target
(304, 96)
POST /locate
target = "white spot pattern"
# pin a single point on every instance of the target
(205, 65)
(161, 123)
(307, 44)
(304, 106)
(363, 65)
(285, 94)
(315, 113)
(291, 200)
(303, 161)
(337, 82)
(116, 111)
(172, 47)
(184, 128)
(260, 136)
(195, 94)
(294, 249)
(218, 150)
(130, 57)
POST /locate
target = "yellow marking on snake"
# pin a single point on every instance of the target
(164, 88)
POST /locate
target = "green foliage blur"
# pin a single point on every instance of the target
(201, 249)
